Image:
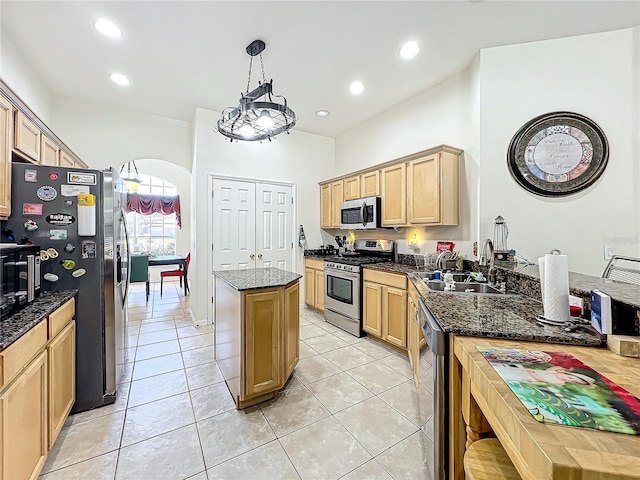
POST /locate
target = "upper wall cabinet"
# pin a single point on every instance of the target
(370, 184)
(394, 195)
(420, 189)
(352, 188)
(66, 160)
(337, 197)
(432, 190)
(27, 139)
(6, 117)
(49, 152)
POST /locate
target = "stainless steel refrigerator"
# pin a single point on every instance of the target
(86, 247)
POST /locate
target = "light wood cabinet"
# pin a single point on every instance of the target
(23, 423)
(66, 160)
(385, 306)
(257, 339)
(49, 152)
(372, 308)
(314, 284)
(291, 329)
(337, 197)
(325, 205)
(394, 195)
(352, 188)
(370, 184)
(432, 190)
(61, 353)
(6, 127)
(27, 137)
(263, 344)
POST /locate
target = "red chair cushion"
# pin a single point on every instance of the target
(172, 273)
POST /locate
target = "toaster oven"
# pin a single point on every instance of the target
(20, 270)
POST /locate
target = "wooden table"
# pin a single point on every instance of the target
(538, 451)
(172, 260)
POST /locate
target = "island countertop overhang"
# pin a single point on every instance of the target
(257, 278)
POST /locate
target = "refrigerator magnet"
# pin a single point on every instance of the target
(62, 219)
(44, 256)
(54, 176)
(46, 193)
(88, 249)
(53, 253)
(30, 226)
(73, 190)
(32, 208)
(68, 203)
(82, 178)
(68, 264)
(51, 277)
(69, 247)
(57, 234)
(79, 272)
(30, 176)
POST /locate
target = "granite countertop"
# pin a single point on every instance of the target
(497, 316)
(582, 284)
(252, 279)
(394, 267)
(316, 257)
(16, 325)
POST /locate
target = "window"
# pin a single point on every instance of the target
(154, 234)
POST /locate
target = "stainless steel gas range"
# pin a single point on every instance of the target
(343, 283)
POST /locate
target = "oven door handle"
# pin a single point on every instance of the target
(362, 211)
(341, 274)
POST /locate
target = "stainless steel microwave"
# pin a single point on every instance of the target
(20, 269)
(362, 214)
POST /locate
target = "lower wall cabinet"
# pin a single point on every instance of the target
(314, 284)
(385, 306)
(37, 391)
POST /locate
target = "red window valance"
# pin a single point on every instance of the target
(147, 204)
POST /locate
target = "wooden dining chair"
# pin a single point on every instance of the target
(176, 273)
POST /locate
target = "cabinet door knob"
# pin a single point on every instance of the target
(259, 255)
(251, 256)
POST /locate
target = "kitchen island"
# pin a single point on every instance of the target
(256, 331)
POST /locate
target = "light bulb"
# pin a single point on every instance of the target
(356, 88)
(119, 79)
(265, 120)
(409, 50)
(108, 28)
(246, 130)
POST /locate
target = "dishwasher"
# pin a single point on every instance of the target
(436, 427)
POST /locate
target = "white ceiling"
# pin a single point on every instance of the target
(181, 55)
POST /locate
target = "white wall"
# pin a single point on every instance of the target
(109, 137)
(301, 158)
(22, 79)
(593, 75)
(445, 114)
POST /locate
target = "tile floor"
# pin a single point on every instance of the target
(350, 411)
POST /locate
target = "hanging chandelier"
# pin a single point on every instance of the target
(255, 117)
(131, 178)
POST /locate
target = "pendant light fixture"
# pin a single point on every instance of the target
(131, 178)
(255, 117)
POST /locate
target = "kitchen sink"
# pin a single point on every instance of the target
(464, 287)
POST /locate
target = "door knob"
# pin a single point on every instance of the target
(251, 256)
(259, 255)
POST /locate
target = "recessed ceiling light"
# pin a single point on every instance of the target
(409, 50)
(120, 79)
(356, 88)
(322, 113)
(108, 28)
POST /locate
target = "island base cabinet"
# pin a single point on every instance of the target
(62, 379)
(23, 423)
(263, 332)
(291, 329)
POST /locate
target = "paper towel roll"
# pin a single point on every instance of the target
(554, 282)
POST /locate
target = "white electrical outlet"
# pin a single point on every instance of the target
(608, 252)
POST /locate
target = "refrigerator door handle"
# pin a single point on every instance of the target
(126, 239)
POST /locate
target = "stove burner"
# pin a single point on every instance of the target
(356, 260)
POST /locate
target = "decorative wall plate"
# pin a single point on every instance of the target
(558, 153)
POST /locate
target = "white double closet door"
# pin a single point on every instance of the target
(252, 225)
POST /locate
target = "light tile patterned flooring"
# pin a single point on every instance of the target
(350, 411)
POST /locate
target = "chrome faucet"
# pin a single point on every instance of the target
(483, 260)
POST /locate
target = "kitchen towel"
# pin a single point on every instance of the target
(554, 283)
